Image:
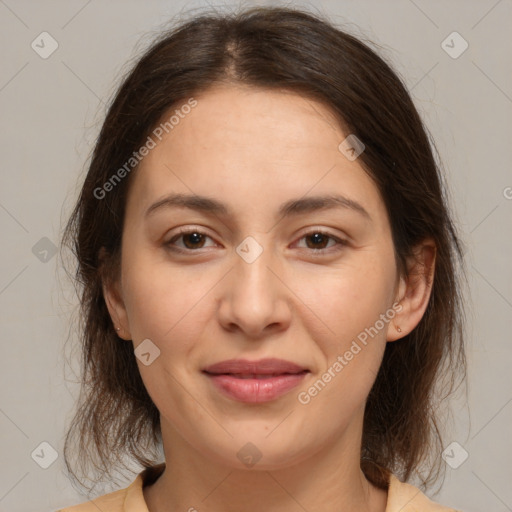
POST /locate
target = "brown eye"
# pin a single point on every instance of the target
(319, 240)
(192, 239)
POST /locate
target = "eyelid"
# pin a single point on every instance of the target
(186, 231)
(342, 241)
(324, 231)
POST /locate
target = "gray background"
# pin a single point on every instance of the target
(51, 111)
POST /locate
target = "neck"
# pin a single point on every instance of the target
(328, 480)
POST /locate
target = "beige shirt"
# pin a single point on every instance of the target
(402, 497)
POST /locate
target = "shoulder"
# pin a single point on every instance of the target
(404, 497)
(130, 498)
(113, 502)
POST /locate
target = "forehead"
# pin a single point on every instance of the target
(253, 145)
(230, 117)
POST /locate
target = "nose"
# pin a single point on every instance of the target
(254, 297)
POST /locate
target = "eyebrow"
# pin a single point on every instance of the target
(292, 207)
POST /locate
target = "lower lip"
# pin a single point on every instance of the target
(256, 390)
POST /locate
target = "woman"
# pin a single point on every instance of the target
(270, 277)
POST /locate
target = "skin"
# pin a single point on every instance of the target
(253, 150)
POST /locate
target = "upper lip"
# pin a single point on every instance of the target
(266, 366)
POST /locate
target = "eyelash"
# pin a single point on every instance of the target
(315, 252)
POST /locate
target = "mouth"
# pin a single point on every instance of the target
(259, 376)
(255, 381)
(268, 366)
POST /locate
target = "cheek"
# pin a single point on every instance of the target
(161, 298)
(351, 338)
(164, 304)
(350, 297)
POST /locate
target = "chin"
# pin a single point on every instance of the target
(262, 454)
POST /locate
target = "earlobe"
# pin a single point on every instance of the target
(414, 290)
(117, 311)
(114, 301)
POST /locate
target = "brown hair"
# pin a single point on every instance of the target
(293, 50)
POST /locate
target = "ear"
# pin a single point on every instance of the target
(112, 293)
(414, 290)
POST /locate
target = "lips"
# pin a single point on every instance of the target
(244, 368)
(255, 381)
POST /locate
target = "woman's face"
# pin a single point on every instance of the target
(251, 280)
